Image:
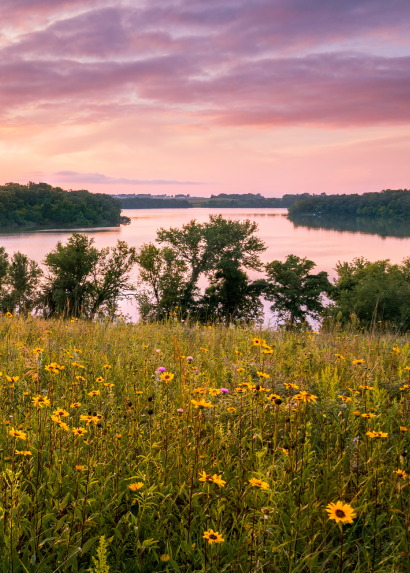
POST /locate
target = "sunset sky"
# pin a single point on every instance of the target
(206, 96)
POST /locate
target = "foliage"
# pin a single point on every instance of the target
(83, 279)
(153, 203)
(202, 246)
(296, 293)
(100, 562)
(373, 291)
(386, 205)
(19, 282)
(40, 204)
(279, 454)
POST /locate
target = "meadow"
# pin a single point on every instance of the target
(176, 447)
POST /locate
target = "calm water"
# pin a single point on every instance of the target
(281, 236)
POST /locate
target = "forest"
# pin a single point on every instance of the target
(41, 205)
(389, 204)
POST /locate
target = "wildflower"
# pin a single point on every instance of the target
(109, 385)
(25, 393)
(12, 379)
(41, 401)
(345, 398)
(218, 480)
(78, 350)
(79, 431)
(204, 349)
(94, 393)
(353, 391)
(356, 413)
(189, 358)
(368, 415)
(76, 365)
(225, 390)
(61, 413)
(167, 377)
(231, 409)
(80, 378)
(118, 436)
(288, 385)
(205, 477)
(366, 387)
(258, 342)
(263, 375)
(79, 467)
(304, 396)
(214, 392)
(401, 474)
(17, 434)
(285, 451)
(136, 486)
(377, 434)
(9, 315)
(64, 426)
(100, 379)
(165, 557)
(403, 429)
(88, 419)
(75, 405)
(180, 411)
(240, 390)
(213, 537)
(107, 367)
(240, 369)
(360, 361)
(273, 397)
(23, 453)
(340, 356)
(238, 353)
(340, 511)
(162, 369)
(201, 404)
(258, 483)
(38, 351)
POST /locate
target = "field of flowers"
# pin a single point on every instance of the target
(142, 448)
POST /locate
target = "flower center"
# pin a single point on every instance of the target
(212, 536)
(340, 513)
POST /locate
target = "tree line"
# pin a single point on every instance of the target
(389, 204)
(81, 280)
(40, 204)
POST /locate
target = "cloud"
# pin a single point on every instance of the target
(225, 62)
(75, 177)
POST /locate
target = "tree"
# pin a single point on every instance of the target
(162, 280)
(297, 294)
(231, 295)
(373, 291)
(203, 245)
(20, 277)
(83, 279)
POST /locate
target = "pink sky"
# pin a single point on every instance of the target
(206, 96)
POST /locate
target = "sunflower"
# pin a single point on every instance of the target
(240, 369)
(17, 434)
(80, 378)
(353, 391)
(38, 351)
(214, 392)
(100, 379)
(41, 401)
(205, 477)
(231, 409)
(403, 429)
(340, 511)
(368, 415)
(240, 390)
(289, 385)
(201, 404)
(258, 342)
(75, 405)
(79, 431)
(9, 315)
(94, 393)
(23, 453)
(213, 537)
(167, 377)
(79, 467)
(109, 384)
(218, 480)
(136, 486)
(345, 398)
(263, 375)
(401, 474)
(165, 557)
(366, 387)
(377, 434)
(61, 413)
(259, 483)
(360, 361)
(304, 396)
(107, 367)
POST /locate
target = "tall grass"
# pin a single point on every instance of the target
(135, 476)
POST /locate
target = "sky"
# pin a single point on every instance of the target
(206, 96)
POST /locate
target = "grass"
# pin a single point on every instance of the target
(271, 467)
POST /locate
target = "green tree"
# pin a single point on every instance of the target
(297, 294)
(373, 291)
(83, 279)
(162, 280)
(21, 278)
(203, 245)
(231, 295)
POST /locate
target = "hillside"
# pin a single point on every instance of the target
(41, 205)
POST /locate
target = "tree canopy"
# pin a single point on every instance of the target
(40, 204)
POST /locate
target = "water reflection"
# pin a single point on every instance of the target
(381, 227)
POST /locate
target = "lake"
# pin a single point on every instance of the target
(282, 237)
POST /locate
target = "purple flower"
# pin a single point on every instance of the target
(197, 371)
(225, 390)
(180, 411)
(189, 358)
(162, 369)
